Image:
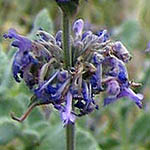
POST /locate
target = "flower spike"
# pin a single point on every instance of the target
(98, 65)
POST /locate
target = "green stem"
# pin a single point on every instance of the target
(66, 41)
(70, 128)
(70, 134)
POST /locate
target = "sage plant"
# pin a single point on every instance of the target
(68, 69)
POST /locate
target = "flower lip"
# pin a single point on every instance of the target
(66, 115)
(128, 92)
(125, 91)
(23, 43)
(21, 61)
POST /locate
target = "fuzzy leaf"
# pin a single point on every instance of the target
(128, 33)
(43, 21)
(141, 129)
(85, 141)
(3, 62)
(30, 137)
(55, 139)
(8, 132)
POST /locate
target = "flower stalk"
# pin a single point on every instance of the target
(66, 40)
(70, 137)
(70, 128)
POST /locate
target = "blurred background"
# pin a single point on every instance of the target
(120, 126)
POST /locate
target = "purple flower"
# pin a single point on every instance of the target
(49, 92)
(121, 52)
(113, 88)
(98, 58)
(98, 65)
(20, 63)
(85, 34)
(45, 36)
(116, 68)
(124, 91)
(66, 114)
(58, 38)
(96, 79)
(122, 73)
(20, 42)
(78, 27)
(85, 92)
(87, 105)
(128, 92)
(23, 57)
(44, 91)
(56, 95)
(30, 54)
(103, 35)
(63, 75)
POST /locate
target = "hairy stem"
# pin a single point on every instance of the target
(70, 128)
(66, 41)
(70, 134)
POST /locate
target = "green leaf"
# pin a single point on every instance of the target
(40, 126)
(8, 132)
(43, 21)
(30, 137)
(55, 139)
(109, 143)
(128, 33)
(7, 81)
(3, 62)
(144, 14)
(35, 116)
(141, 129)
(10, 105)
(85, 141)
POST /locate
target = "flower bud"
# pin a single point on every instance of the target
(103, 36)
(62, 76)
(98, 58)
(121, 52)
(113, 88)
(58, 38)
(78, 27)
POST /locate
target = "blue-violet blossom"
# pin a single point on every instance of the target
(98, 66)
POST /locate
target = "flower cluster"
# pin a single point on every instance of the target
(98, 65)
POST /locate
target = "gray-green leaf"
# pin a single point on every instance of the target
(141, 129)
(43, 21)
(8, 132)
(56, 139)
